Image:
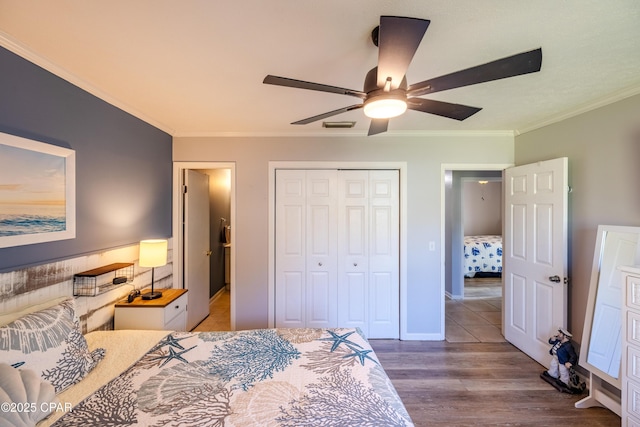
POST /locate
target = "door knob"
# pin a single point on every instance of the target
(320, 264)
(209, 253)
(555, 279)
(355, 264)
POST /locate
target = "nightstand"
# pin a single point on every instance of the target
(168, 312)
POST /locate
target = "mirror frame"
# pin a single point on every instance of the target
(603, 230)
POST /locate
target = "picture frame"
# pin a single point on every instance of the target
(37, 192)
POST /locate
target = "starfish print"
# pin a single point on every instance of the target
(172, 341)
(361, 354)
(339, 339)
(173, 355)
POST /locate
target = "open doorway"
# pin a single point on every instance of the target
(482, 233)
(472, 217)
(221, 219)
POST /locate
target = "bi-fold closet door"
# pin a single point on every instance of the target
(337, 250)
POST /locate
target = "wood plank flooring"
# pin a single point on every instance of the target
(464, 381)
(474, 384)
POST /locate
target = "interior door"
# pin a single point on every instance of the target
(337, 250)
(384, 250)
(368, 252)
(322, 256)
(290, 242)
(353, 250)
(196, 246)
(535, 255)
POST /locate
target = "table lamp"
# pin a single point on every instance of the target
(153, 253)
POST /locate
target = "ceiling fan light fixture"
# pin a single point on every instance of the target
(383, 107)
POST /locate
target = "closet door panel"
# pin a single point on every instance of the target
(384, 249)
(319, 301)
(337, 250)
(292, 305)
(353, 243)
(321, 249)
(382, 291)
(354, 309)
(290, 272)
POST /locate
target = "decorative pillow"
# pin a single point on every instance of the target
(50, 343)
(24, 396)
(6, 318)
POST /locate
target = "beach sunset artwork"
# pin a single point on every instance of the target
(34, 192)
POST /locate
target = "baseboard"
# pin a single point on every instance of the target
(217, 295)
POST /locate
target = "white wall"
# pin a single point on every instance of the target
(482, 207)
(424, 157)
(603, 147)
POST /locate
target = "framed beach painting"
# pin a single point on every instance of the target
(37, 192)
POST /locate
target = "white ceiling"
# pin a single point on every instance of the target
(195, 67)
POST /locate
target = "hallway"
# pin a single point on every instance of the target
(477, 317)
(219, 318)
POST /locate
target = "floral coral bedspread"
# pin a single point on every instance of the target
(266, 377)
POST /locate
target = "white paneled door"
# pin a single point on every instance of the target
(337, 250)
(320, 249)
(196, 246)
(535, 255)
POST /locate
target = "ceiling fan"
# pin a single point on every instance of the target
(386, 93)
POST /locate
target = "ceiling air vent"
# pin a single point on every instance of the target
(338, 125)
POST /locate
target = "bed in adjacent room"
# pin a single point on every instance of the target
(482, 254)
(279, 377)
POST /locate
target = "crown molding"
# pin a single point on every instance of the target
(25, 52)
(332, 133)
(584, 108)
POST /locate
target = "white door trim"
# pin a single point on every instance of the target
(454, 167)
(401, 166)
(178, 238)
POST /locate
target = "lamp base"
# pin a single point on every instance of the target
(151, 295)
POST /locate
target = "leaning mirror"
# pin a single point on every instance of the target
(601, 348)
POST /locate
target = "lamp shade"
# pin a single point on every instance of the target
(153, 253)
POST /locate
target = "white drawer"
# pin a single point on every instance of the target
(633, 292)
(633, 328)
(633, 399)
(174, 309)
(633, 364)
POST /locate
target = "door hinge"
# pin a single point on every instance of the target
(184, 189)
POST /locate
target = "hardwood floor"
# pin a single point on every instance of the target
(219, 314)
(471, 384)
(464, 381)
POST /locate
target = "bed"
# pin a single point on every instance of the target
(266, 377)
(482, 254)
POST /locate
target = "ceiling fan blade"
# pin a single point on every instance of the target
(300, 84)
(522, 63)
(440, 108)
(378, 126)
(398, 40)
(325, 115)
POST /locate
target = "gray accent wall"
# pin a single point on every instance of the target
(603, 147)
(123, 165)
